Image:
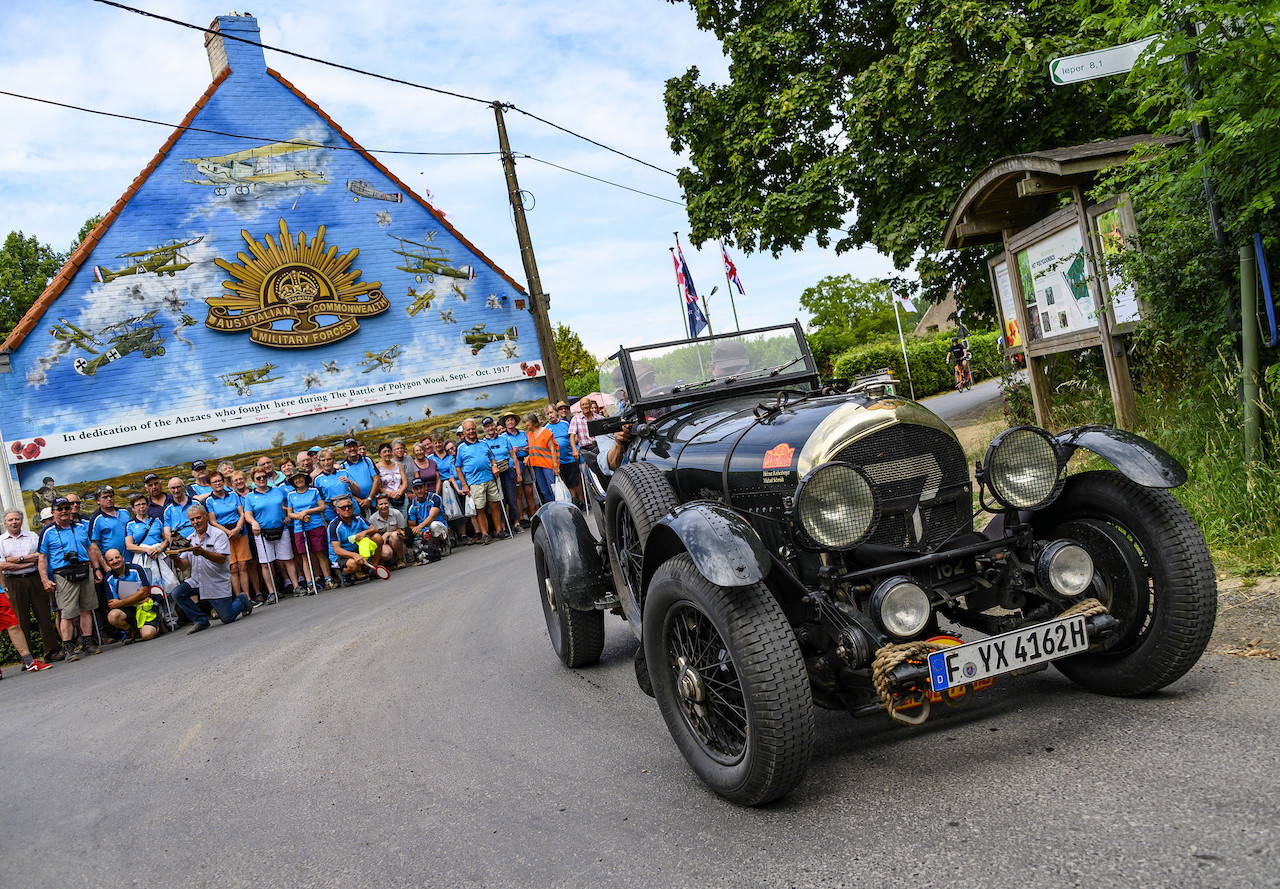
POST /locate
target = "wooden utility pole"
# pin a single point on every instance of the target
(538, 302)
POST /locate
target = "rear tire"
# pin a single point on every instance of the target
(577, 637)
(730, 681)
(1158, 579)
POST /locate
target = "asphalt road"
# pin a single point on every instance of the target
(420, 732)
(971, 404)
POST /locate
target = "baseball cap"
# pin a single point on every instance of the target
(350, 441)
(314, 449)
(419, 483)
(149, 476)
(59, 501)
(197, 464)
(487, 421)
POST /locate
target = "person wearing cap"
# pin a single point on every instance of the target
(388, 521)
(568, 452)
(20, 562)
(67, 557)
(199, 489)
(346, 533)
(209, 561)
(426, 522)
(264, 511)
(544, 456)
(500, 452)
(476, 473)
(361, 470)
(305, 508)
(518, 442)
(157, 497)
(123, 607)
(175, 514)
(729, 358)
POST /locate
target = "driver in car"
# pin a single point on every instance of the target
(729, 358)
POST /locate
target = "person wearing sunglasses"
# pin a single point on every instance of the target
(67, 560)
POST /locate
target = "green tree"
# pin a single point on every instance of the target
(574, 357)
(859, 124)
(25, 267)
(89, 225)
(845, 312)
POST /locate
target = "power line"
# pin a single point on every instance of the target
(385, 151)
(389, 79)
(598, 179)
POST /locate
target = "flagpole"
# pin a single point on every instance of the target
(729, 286)
(684, 309)
(903, 341)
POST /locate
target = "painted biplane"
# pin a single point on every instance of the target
(427, 261)
(208, 439)
(420, 301)
(311, 379)
(242, 380)
(493, 301)
(165, 259)
(510, 350)
(477, 337)
(331, 367)
(278, 165)
(68, 333)
(137, 336)
(386, 359)
(362, 189)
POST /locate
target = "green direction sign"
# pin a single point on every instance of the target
(1099, 63)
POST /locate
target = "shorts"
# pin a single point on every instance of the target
(241, 551)
(315, 539)
(74, 596)
(274, 550)
(484, 492)
(7, 617)
(571, 474)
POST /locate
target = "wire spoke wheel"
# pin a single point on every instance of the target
(730, 682)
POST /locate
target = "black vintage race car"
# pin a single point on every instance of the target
(778, 544)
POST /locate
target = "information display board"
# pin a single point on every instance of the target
(1055, 285)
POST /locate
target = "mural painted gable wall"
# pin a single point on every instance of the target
(260, 290)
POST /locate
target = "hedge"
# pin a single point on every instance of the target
(930, 372)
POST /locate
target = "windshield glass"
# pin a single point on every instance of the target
(709, 364)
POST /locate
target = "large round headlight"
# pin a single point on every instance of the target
(1023, 468)
(835, 507)
(901, 607)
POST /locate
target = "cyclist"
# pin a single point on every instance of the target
(959, 355)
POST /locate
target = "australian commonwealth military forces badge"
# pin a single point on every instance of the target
(293, 294)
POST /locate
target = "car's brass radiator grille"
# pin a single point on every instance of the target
(921, 481)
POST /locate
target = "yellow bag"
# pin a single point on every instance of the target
(366, 547)
(145, 612)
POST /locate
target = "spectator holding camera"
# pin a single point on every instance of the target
(67, 557)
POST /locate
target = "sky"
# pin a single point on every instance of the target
(597, 68)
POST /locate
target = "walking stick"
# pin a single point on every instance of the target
(306, 544)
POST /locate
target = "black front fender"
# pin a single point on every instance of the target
(571, 552)
(725, 549)
(1136, 457)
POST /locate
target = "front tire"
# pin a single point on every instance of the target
(730, 681)
(576, 636)
(639, 497)
(1157, 575)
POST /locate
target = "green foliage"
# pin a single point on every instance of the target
(691, 363)
(25, 267)
(582, 384)
(9, 654)
(845, 312)
(860, 123)
(89, 225)
(930, 372)
(574, 357)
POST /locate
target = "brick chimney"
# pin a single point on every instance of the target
(242, 57)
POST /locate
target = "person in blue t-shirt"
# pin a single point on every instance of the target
(264, 511)
(146, 541)
(226, 513)
(199, 489)
(124, 605)
(500, 450)
(305, 508)
(363, 472)
(568, 453)
(475, 471)
(67, 557)
(426, 522)
(107, 524)
(346, 532)
(175, 514)
(518, 442)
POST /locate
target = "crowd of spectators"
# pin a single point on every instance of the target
(226, 540)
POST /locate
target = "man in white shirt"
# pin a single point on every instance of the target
(210, 563)
(20, 563)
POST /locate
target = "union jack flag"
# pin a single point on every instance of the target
(697, 320)
(730, 270)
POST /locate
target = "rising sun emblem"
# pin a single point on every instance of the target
(293, 294)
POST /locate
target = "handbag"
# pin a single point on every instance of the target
(74, 572)
(469, 506)
(561, 490)
(273, 533)
(503, 466)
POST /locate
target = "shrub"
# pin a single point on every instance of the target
(930, 372)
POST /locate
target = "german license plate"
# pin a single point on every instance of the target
(962, 664)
